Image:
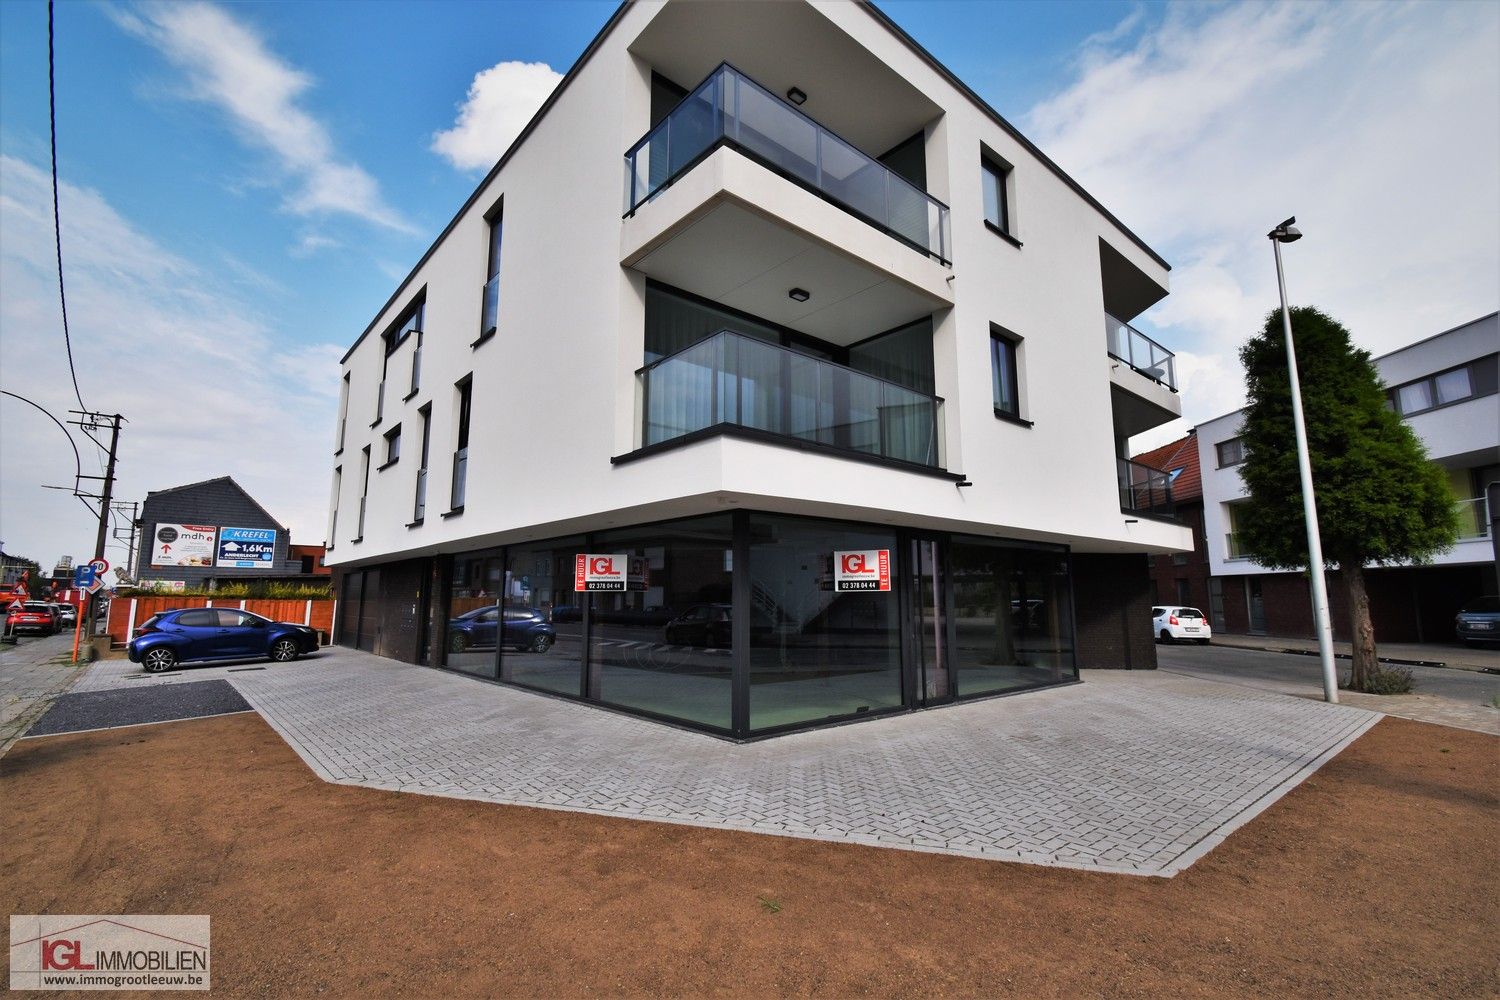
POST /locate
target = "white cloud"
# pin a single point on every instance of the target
(311, 243)
(206, 386)
(229, 66)
(1377, 125)
(501, 100)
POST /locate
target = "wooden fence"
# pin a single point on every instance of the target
(126, 613)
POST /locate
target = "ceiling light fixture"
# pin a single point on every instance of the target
(799, 294)
(796, 96)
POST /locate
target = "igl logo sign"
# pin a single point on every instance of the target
(593, 571)
(862, 569)
(63, 954)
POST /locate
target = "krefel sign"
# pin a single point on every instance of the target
(247, 548)
(862, 569)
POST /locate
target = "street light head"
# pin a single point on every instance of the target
(1286, 232)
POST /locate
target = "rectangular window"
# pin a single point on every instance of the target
(490, 319)
(461, 449)
(1475, 379)
(1004, 376)
(1231, 452)
(364, 493)
(343, 411)
(544, 616)
(1184, 592)
(419, 508)
(1013, 623)
(333, 519)
(992, 178)
(409, 322)
(392, 446)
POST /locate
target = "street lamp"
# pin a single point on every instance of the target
(1288, 233)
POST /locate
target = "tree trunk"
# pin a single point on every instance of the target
(1361, 629)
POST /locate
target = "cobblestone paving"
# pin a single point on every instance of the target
(107, 675)
(1136, 773)
(32, 673)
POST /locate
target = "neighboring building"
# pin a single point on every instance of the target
(1182, 578)
(11, 568)
(855, 451)
(203, 534)
(1445, 388)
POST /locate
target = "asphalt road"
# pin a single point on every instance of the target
(1291, 673)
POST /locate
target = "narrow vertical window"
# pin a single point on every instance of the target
(992, 177)
(1004, 380)
(490, 320)
(392, 446)
(343, 411)
(419, 508)
(364, 493)
(461, 449)
(333, 518)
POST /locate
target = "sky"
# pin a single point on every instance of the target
(241, 187)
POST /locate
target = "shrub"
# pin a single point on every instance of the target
(1390, 680)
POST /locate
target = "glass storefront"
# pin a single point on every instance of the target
(816, 653)
(946, 617)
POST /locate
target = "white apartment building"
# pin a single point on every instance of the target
(1445, 387)
(828, 365)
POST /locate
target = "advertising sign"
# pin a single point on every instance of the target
(247, 548)
(862, 569)
(183, 545)
(593, 571)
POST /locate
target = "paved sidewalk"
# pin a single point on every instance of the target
(32, 673)
(1138, 773)
(1448, 654)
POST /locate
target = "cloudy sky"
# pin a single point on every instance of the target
(242, 185)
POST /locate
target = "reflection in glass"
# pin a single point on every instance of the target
(815, 653)
(1013, 616)
(666, 646)
(469, 638)
(541, 621)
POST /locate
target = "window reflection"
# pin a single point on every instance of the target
(1013, 616)
(470, 637)
(541, 621)
(815, 653)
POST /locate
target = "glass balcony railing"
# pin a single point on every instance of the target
(729, 108)
(1126, 343)
(1473, 518)
(1144, 490)
(460, 475)
(1234, 547)
(491, 319)
(734, 380)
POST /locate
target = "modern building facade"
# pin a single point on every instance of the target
(1445, 387)
(770, 379)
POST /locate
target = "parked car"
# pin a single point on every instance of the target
(35, 617)
(174, 637)
(1479, 620)
(567, 613)
(708, 625)
(67, 615)
(1175, 622)
(523, 629)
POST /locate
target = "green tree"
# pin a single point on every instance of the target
(1380, 500)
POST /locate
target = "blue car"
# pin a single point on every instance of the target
(524, 629)
(174, 637)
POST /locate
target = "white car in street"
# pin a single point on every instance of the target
(1175, 623)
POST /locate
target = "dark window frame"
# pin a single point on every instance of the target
(1482, 383)
(391, 437)
(1001, 338)
(494, 240)
(1219, 451)
(996, 170)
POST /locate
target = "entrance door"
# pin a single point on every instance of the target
(928, 586)
(1257, 605)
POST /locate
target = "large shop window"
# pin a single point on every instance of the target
(815, 653)
(542, 618)
(473, 613)
(666, 644)
(1013, 615)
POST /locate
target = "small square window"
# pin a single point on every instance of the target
(392, 445)
(1231, 452)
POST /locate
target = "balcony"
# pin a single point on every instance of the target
(1234, 548)
(730, 109)
(1125, 343)
(733, 383)
(1473, 518)
(1144, 490)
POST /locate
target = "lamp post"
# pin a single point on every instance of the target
(1288, 233)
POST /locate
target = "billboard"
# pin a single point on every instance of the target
(183, 545)
(246, 548)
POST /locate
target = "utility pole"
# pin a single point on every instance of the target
(89, 421)
(109, 488)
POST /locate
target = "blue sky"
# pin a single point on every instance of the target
(243, 186)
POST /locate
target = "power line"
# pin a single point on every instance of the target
(77, 461)
(56, 215)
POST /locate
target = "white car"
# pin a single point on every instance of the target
(1174, 623)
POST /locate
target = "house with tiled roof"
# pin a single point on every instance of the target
(1182, 577)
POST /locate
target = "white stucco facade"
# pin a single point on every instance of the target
(555, 391)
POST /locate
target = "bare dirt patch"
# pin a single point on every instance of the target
(1376, 878)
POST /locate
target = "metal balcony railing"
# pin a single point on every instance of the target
(460, 475)
(1473, 518)
(419, 508)
(1144, 490)
(1125, 343)
(491, 319)
(734, 380)
(730, 109)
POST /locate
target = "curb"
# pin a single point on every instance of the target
(1345, 656)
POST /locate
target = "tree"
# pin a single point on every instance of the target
(1380, 500)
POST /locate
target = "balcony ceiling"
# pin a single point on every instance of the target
(748, 262)
(784, 45)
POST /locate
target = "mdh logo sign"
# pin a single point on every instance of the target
(116, 952)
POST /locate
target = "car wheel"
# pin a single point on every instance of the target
(1203, 642)
(1165, 636)
(541, 644)
(284, 650)
(458, 642)
(159, 660)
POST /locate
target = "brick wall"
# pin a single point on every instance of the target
(1112, 596)
(1165, 572)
